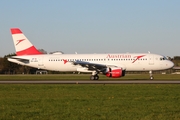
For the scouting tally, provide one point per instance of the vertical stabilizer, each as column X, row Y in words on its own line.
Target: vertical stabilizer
column 22, row 45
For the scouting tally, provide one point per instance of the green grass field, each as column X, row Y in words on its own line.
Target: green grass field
column 87, row 76
column 90, row 102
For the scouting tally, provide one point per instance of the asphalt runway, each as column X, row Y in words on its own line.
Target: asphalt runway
column 91, row 82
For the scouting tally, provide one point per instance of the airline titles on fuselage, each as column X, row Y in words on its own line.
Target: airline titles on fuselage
column 118, row 56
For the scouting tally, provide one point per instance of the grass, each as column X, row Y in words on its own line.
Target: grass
column 86, row 77
column 90, row 102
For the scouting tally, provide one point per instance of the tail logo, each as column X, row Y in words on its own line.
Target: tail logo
column 19, row 41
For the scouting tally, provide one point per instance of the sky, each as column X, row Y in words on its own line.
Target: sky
column 93, row 26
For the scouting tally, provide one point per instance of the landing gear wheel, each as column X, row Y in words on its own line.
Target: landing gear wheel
column 94, row 77
column 151, row 78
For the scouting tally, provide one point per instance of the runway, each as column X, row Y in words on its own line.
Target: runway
column 91, row 82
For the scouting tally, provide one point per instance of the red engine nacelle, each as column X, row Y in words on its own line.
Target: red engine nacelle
column 115, row 72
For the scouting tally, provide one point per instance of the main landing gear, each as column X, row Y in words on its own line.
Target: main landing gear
column 151, row 75
column 94, row 76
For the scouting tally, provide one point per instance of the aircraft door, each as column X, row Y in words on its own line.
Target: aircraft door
column 151, row 60
column 40, row 62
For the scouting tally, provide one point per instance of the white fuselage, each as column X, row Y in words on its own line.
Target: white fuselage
column 127, row 61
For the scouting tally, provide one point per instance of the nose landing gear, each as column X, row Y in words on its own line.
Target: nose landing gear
column 151, row 75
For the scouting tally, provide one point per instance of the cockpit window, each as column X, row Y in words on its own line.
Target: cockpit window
column 163, row 58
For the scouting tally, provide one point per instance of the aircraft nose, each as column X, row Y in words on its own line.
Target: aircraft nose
column 170, row 64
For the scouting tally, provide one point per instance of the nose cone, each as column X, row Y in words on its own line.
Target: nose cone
column 170, row 64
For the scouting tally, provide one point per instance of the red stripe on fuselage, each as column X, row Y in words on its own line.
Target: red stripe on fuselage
column 30, row 51
column 15, row 31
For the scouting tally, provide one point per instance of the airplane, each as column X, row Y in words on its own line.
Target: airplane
column 112, row 65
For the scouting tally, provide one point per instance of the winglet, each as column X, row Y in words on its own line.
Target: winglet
column 22, row 45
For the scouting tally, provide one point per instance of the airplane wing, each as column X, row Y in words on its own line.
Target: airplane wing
column 92, row 66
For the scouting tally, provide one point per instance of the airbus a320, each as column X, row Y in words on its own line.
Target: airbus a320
column 112, row 65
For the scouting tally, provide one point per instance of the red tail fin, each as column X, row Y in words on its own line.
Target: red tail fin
column 22, row 45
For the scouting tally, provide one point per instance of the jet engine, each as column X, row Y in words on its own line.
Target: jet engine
column 115, row 72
